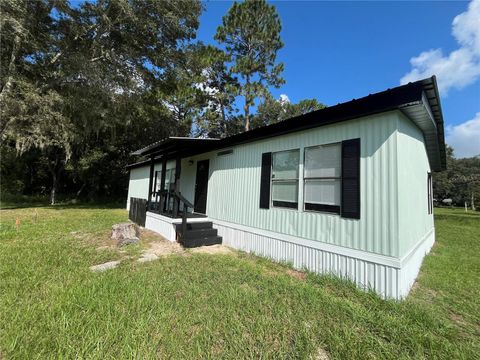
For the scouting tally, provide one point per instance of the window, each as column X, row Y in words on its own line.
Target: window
column 322, row 178
column 285, row 178
column 169, row 180
column 429, row 193
column 158, row 176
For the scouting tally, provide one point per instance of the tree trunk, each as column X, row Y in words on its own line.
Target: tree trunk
column 246, row 107
column 8, row 84
column 54, row 167
column 80, row 191
column 223, row 126
column 473, row 201
column 11, row 67
column 54, row 189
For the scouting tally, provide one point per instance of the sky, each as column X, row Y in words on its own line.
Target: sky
column 338, row 51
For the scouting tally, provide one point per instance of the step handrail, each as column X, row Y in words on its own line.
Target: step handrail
column 186, row 205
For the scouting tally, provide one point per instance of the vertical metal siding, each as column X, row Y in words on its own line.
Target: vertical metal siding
column 234, row 187
column 139, row 178
column 413, row 166
column 138, row 183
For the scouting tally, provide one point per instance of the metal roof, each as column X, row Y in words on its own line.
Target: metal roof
column 172, row 142
column 418, row 100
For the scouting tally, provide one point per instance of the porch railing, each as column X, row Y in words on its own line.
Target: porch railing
column 164, row 206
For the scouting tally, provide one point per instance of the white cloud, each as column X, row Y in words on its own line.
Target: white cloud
column 459, row 68
column 465, row 138
column 284, row 99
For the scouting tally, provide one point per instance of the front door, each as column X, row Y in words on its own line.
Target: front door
column 201, row 187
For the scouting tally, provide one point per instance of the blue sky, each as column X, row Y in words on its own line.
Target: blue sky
column 337, row 51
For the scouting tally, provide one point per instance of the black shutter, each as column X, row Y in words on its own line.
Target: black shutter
column 351, row 179
column 265, row 181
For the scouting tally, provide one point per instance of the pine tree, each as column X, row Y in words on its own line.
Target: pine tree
column 251, row 35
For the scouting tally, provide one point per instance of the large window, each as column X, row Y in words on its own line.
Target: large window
column 322, row 178
column 285, row 178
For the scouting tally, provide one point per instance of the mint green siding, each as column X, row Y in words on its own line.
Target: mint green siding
column 138, row 184
column 234, row 187
column 413, row 166
column 139, row 178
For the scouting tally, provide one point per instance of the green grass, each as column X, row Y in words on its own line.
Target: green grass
column 220, row 306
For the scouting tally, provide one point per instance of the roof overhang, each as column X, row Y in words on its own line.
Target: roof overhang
column 169, row 147
column 426, row 113
column 419, row 101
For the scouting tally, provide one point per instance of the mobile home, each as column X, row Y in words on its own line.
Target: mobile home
column 345, row 190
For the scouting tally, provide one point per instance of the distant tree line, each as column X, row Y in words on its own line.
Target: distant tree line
column 84, row 85
column 460, row 182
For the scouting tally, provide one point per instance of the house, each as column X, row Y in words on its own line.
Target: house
column 345, row 190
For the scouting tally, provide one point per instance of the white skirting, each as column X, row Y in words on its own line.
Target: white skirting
column 165, row 225
column 162, row 225
column 389, row 277
column 412, row 262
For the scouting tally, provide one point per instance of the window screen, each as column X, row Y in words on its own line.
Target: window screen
column 285, row 178
column 322, row 178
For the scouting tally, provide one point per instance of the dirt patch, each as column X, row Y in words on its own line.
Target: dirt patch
column 270, row 273
column 148, row 236
column 212, row 249
column 458, row 319
column 426, row 294
column 320, row 354
column 248, row 289
column 155, row 246
column 164, row 247
column 297, row 274
column 101, row 240
column 290, row 272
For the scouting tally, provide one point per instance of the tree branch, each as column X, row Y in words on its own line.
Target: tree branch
column 11, row 68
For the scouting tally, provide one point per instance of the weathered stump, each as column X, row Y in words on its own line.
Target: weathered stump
column 125, row 233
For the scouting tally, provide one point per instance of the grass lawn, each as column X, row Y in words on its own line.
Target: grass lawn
column 220, row 306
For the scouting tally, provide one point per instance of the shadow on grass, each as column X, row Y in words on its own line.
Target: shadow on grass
column 23, row 202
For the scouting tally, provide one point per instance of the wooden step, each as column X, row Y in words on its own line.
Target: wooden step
column 210, row 240
column 200, row 233
column 195, row 225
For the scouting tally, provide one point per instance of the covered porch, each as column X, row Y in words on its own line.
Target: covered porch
column 176, row 215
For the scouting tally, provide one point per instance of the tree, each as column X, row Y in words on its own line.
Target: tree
column 271, row 111
column 24, row 30
column 219, row 89
column 460, row 182
column 66, row 73
column 250, row 33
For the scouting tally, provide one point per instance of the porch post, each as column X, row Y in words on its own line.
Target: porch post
column 150, row 182
column 163, row 195
column 178, row 168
